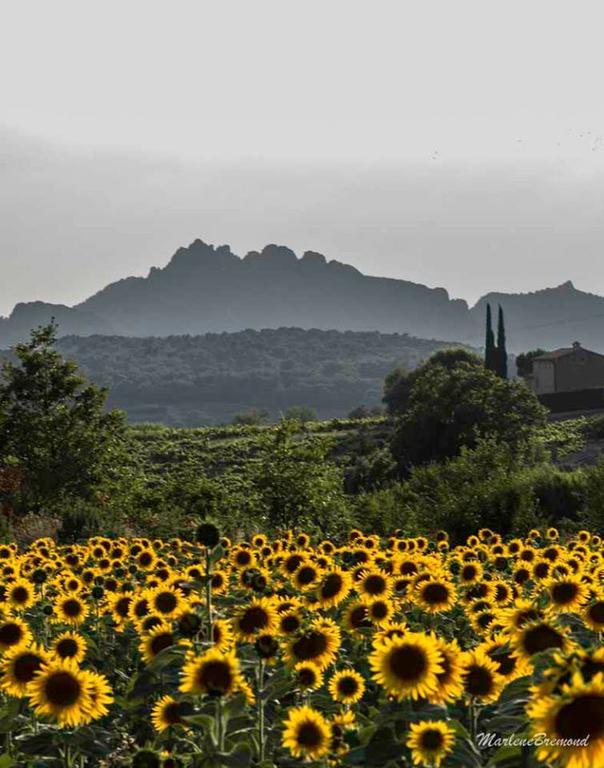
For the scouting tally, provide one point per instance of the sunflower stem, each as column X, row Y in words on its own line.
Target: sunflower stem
column 219, row 724
column 209, row 595
column 261, row 721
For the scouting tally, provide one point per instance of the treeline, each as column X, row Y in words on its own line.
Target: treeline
column 202, row 380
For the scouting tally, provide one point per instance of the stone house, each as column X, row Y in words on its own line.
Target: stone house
column 567, row 370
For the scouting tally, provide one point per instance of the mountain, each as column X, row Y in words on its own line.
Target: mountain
column 549, row 318
column 207, row 289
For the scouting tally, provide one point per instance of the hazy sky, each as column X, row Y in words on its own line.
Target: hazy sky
column 451, row 143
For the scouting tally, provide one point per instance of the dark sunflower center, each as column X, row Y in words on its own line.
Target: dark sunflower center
column 358, row 617
column 253, row 619
column 215, row 677
column 348, row 686
column 141, row 608
column 375, row 584
column 479, row 681
column 582, row 717
column 171, row 713
column 310, row 646
column 306, row 575
column 10, row 634
column 145, row 558
column 290, row 623
column 379, row 610
column 432, row 739
column 122, row 605
column 506, row 662
column 542, row 637
column 62, row 689
column 564, row 593
column 468, row 573
column 596, row 612
column 166, row 602
column 306, row 676
column 20, row 595
column 331, row 586
column 159, row 642
column 72, row 608
column 293, row 563
column 435, row 594
column 408, row 663
column 67, row 648
column 26, row 667
column 309, row 736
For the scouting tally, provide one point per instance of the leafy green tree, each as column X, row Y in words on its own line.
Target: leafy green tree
column 54, row 427
column 302, row 413
column 399, row 383
column 452, row 408
column 293, row 484
column 253, row 417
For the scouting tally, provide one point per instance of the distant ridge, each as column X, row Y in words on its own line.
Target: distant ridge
column 206, row 289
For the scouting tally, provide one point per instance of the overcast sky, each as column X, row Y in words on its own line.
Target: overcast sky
column 452, row 143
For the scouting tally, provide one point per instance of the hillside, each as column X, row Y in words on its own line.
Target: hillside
column 193, row 380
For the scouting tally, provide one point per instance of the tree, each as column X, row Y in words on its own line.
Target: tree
column 294, row 485
column 502, row 355
column 452, row 408
column 253, row 417
column 490, row 353
column 302, row 413
column 399, row 383
column 54, row 427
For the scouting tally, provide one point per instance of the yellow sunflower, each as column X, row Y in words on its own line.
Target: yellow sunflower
column 307, row 734
column 60, row 691
column 213, row 673
column 20, row 594
column 430, row 742
column 308, row 676
column 19, row 666
column 573, row 723
column 13, row 631
column 69, row 645
column 168, row 713
column 347, row 686
column 319, row 644
column 407, row 666
column 481, row 679
column 259, row 615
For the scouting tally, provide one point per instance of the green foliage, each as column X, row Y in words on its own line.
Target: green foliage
column 294, row 486
column 399, row 383
column 301, row 413
column 195, row 380
column 451, row 408
column 54, row 428
column 253, row 417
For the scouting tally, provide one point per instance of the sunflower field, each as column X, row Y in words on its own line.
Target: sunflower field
column 281, row 652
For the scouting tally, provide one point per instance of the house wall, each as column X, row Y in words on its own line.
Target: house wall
column 580, row 370
column 543, row 379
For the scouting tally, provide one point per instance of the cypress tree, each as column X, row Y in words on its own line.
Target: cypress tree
column 501, row 355
column 490, row 353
